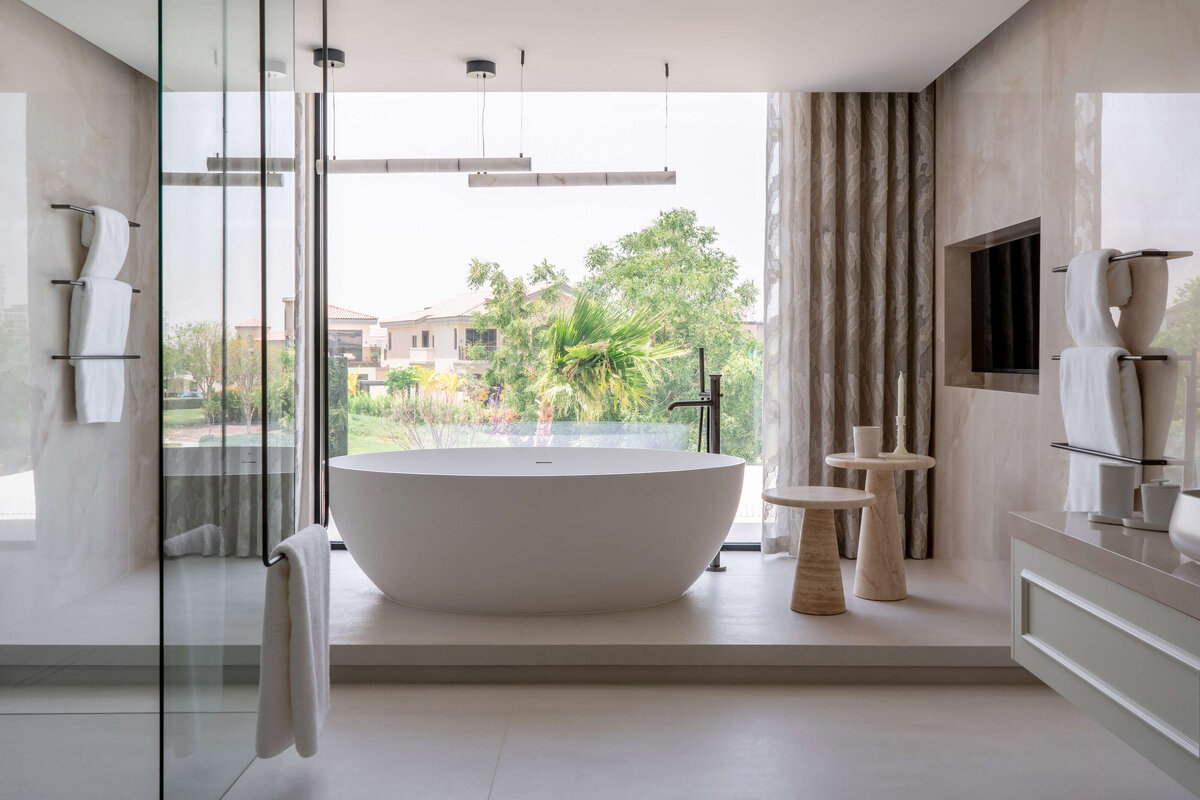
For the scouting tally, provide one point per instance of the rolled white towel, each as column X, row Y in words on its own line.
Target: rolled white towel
column 105, row 233
column 1095, row 283
column 206, row 540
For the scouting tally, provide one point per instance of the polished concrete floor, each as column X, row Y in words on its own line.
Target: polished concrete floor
column 705, row 741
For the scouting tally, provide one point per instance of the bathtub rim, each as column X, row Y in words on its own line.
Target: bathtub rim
column 705, row 461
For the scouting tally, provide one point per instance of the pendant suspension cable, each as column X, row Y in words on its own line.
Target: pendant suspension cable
column 666, row 111
column 521, row 114
column 333, row 116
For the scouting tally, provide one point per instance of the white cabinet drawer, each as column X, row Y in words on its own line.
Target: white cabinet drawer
column 1130, row 662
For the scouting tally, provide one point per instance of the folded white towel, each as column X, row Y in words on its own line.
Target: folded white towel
column 1094, row 284
column 207, row 540
column 105, row 233
column 99, row 325
column 293, row 684
column 1102, row 409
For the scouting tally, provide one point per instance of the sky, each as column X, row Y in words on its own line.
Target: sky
column 400, row 242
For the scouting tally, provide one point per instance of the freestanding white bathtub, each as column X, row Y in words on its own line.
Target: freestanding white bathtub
column 534, row 530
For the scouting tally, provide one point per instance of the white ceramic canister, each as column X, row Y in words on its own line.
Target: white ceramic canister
column 1158, row 501
column 1116, row 490
column 867, row 441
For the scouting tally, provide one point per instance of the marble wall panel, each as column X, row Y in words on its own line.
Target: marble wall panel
column 1017, row 122
column 90, row 125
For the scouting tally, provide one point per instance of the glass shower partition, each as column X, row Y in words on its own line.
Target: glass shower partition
column 229, row 261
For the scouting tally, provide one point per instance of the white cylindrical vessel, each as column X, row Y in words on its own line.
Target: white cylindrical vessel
column 534, row 530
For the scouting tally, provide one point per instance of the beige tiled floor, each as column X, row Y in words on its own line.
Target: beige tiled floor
column 690, row 742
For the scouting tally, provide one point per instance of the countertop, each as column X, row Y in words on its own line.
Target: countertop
column 1144, row 561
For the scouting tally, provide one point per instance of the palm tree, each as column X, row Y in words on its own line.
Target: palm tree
column 594, row 351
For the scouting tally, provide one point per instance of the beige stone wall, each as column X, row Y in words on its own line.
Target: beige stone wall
column 1014, row 129
column 89, row 126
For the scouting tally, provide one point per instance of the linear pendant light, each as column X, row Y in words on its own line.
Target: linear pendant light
column 649, row 178
column 231, row 179
column 666, row 177
column 479, row 69
column 366, row 166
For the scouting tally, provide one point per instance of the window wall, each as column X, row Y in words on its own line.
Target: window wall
column 551, row 316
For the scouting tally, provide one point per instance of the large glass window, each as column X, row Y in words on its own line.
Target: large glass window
column 552, row 316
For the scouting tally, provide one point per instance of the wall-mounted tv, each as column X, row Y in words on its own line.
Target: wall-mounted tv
column 1004, row 307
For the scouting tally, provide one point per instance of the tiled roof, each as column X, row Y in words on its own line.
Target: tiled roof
column 249, row 323
column 337, row 312
column 458, row 306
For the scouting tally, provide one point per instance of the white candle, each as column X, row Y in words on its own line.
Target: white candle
column 900, row 396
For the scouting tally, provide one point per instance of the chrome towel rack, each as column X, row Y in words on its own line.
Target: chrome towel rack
column 1144, row 462
column 1149, row 252
column 95, row 358
column 63, row 282
column 82, row 210
column 1151, row 357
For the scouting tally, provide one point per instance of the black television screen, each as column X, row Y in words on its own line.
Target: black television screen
column 1004, row 307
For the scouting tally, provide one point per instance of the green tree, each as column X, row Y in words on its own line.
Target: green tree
column 675, row 267
column 195, row 348
column 243, row 372
column 597, row 355
column 518, row 309
column 1181, row 332
column 399, row 381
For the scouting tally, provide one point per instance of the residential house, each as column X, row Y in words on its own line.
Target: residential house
column 437, row 336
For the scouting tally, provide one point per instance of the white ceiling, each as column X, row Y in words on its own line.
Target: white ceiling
column 599, row 45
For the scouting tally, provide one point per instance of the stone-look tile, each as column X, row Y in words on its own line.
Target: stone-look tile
column 1011, row 146
column 98, row 756
column 761, row 742
column 90, row 137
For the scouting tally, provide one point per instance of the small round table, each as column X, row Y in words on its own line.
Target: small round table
column 817, row 587
column 879, row 574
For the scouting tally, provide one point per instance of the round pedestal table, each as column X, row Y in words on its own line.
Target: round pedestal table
column 817, row 587
column 879, row 574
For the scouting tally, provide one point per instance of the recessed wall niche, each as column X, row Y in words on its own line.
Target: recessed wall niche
column 991, row 306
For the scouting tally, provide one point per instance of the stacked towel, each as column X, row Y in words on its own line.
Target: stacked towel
column 1102, row 409
column 1101, row 398
column 99, row 326
column 293, row 686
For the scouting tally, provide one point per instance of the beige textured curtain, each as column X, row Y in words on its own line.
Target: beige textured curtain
column 849, row 294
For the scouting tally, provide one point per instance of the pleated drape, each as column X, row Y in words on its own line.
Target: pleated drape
column 849, row 294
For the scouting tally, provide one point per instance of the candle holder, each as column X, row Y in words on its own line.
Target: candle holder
column 901, row 434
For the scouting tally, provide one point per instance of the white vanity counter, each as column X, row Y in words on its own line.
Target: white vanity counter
column 1109, row 618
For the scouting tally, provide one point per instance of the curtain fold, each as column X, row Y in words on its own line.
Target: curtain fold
column 849, row 294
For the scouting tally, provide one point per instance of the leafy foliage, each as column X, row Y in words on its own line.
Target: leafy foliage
column 518, row 309
column 596, row 355
column 674, row 267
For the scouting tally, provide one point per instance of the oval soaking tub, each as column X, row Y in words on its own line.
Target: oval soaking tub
column 534, row 530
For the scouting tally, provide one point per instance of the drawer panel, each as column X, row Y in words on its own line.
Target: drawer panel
column 1131, row 663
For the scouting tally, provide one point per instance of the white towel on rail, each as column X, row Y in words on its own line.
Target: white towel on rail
column 293, row 683
column 99, row 325
column 1102, row 409
column 105, row 233
column 1094, row 285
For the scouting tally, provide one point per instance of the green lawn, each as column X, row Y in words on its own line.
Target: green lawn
column 183, row 418
column 369, row 435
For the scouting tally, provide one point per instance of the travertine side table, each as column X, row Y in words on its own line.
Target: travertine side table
column 879, row 574
column 817, row 587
